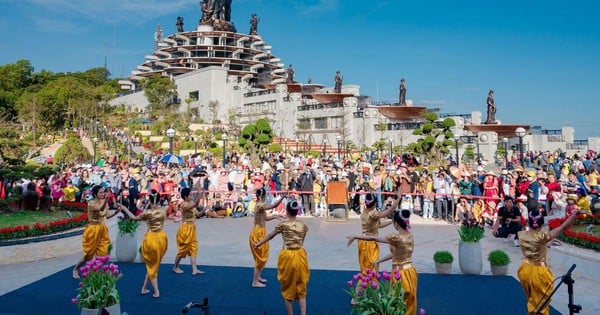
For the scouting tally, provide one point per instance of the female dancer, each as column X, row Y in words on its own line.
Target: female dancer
column 187, row 243
column 95, row 240
column 368, row 252
column 536, row 278
column 258, row 233
column 154, row 245
column 401, row 248
column 292, row 266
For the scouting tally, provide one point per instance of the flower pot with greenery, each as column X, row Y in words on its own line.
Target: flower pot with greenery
column 499, row 261
column 469, row 248
column 126, row 248
column 98, row 287
column 443, row 261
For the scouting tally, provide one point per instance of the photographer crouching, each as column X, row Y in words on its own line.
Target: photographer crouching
column 509, row 219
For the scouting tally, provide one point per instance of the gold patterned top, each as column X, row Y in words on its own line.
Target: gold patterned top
column 155, row 218
column 260, row 214
column 534, row 245
column 369, row 221
column 293, row 233
column 401, row 247
column 97, row 214
column 188, row 211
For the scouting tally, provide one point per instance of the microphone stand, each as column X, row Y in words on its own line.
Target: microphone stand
column 203, row 306
column 568, row 280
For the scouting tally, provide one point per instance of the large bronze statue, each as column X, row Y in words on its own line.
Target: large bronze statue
column 491, row 109
column 290, row 74
column 215, row 10
column 179, row 24
column 254, row 24
column 338, row 82
column 402, row 92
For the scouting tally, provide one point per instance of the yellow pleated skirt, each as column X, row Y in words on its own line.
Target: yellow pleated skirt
column 187, row 242
column 95, row 241
column 260, row 254
column 368, row 253
column 537, row 284
column 409, row 285
column 154, row 247
column 293, row 273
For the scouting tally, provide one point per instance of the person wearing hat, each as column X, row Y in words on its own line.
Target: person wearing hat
column 490, row 191
column 582, row 202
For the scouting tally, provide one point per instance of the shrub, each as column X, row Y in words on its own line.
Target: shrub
column 443, row 257
column 498, row 258
column 470, row 231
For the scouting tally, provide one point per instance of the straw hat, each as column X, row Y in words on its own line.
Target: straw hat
column 572, row 197
column 490, row 173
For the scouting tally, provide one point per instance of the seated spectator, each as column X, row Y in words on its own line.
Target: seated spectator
column 218, row 209
column 477, row 211
column 173, row 212
column 69, row 191
column 463, row 210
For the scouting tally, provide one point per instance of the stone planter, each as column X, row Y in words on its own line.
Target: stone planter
column 499, row 270
column 127, row 247
column 443, row 268
column 112, row 310
column 470, row 258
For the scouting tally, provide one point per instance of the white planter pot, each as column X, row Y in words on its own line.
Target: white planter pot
column 470, row 258
column 443, row 268
column 499, row 270
column 112, row 310
column 127, row 247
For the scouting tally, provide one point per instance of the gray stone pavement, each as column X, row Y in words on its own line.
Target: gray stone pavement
column 225, row 242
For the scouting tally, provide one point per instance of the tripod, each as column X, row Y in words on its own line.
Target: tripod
column 566, row 279
column 203, row 306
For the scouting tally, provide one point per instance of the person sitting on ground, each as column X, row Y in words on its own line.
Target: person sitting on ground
column 509, row 220
column 218, row 209
column 173, row 212
column 463, row 210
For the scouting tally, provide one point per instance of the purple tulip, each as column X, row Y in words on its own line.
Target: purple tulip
column 80, row 284
column 356, row 276
column 397, row 276
column 105, row 268
column 421, row 311
column 374, row 285
column 115, row 272
column 377, row 276
column 74, row 301
column 386, row 276
column 350, row 283
column 84, row 274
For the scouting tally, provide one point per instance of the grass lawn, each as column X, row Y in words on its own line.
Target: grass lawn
column 582, row 229
column 28, row 217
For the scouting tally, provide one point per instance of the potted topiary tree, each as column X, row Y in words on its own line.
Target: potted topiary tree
column 126, row 248
column 499, row 261
column 443, row 261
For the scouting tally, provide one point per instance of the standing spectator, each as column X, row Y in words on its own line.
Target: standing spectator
column 133, row 189
column 306, row 181
column 441, row 187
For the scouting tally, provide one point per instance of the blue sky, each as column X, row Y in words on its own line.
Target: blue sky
column 542, row 58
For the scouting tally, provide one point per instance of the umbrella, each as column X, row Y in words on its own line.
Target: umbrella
column 172, row 158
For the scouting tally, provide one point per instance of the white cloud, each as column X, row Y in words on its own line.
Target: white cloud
column 114, row 12
column 433, row 102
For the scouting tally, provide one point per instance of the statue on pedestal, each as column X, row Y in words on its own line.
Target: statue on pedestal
column 338, row 82
column 402, row 92
column 179, row 24
column 158, row 36
column 254, row 24
column 491, row 109
column 290, row 74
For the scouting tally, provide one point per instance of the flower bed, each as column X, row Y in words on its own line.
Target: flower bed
column 581, row 239
column 23, row 231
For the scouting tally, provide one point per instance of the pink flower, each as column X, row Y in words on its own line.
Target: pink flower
column 80, row 284
column 356, row 276
column 397, row 276
column 84, row 274
column 368, row 271
column 74, row 301
column 386, row 276
column 377, row 276
column 96, row 267
column 105, row 268
column 350, row 283
column 115, row 272
column 421, row 311
column 374, row 285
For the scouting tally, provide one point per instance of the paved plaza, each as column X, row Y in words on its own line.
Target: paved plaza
column 224, row 242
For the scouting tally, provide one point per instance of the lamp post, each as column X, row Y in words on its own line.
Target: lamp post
column 324, row 145
column 170, row 134
column 224, row 137
column 339, row 144
column 505, row 141
column 521, row 132
column 391, row 143
column 95, row 141
column 97, row 128
column 456, row 138
column 296, row 139
column 195, row 145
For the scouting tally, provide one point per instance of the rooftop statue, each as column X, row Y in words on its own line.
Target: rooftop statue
column 290, row 74
column 338, row 82
column 179, row 24
column 217, row 13
column 402, row 92
column 491, row 109
column 158, row 36
column 254, row 24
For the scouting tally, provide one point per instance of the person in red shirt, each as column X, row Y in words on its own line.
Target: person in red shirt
column 553, row 186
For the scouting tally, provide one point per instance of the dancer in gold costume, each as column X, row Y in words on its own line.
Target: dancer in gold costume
column 187, row 242
column 534, row 274
column 401, row 247
column 95, row 240
column 368, row 251
column 258, row 233
column 292, row 266
column 154, row 245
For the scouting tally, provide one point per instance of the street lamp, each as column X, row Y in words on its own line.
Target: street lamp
column 170, row 134
column 224, row 137
column 521, row 132
column 339, row 143
column 95, row 141
column 456, row 138
column 296, row 139
column 505, row 141
column 324, row 145
column 97, row 128
column 391, row 143
column 195, row 144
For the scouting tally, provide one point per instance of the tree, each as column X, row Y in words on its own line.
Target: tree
column 213, row 106
column 159, row 91
column 72, row 152
column 256, row 136
column 436, row 137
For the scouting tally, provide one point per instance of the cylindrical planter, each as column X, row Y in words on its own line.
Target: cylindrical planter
column 443, row 268
column 126, row 247
column 112, row 310
column 470, row 258
column 499, row 270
